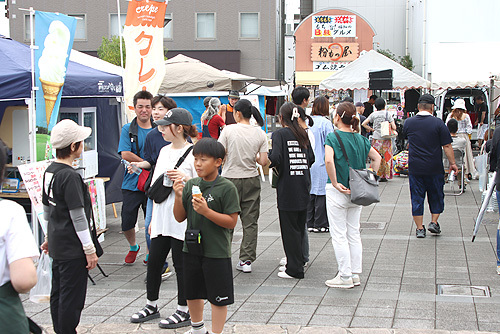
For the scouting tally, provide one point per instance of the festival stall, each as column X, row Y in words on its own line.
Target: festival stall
column 91, row 96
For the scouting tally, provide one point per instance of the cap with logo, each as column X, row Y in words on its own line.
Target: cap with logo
column 178, row 116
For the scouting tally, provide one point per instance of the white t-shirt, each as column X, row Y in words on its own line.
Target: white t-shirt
column 242, row 143
column 16, row 239
column 163, row 221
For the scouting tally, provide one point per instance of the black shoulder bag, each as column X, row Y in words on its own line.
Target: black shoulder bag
column 362, row 182
column 158, row 192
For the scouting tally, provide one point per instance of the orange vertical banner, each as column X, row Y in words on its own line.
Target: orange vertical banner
column 143, row 35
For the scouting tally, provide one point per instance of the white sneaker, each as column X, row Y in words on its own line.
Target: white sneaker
column 283, row 261
column 498, row 270
column 282, row 269
column 355, row 280
column 339, row 282
column 166, row 274
column 282, row 274
column 245, row 267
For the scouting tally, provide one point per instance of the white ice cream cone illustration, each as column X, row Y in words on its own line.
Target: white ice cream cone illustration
column 50, row 92
column 52, row 64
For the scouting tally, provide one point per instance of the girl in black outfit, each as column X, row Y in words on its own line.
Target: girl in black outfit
column 292, row 156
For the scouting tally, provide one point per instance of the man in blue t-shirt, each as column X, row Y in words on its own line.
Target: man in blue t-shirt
column 131, row 148
column 427, row 135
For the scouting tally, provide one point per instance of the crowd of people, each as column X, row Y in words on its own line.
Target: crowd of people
column 197, row 189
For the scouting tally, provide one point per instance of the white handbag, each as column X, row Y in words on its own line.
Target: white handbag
column 386, row 131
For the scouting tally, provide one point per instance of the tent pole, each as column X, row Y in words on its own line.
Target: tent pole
column 120, row 33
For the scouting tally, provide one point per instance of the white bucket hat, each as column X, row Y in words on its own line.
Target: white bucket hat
column 67, row 132
column 459, row 104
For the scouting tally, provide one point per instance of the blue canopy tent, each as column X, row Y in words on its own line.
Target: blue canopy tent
column 84, row 87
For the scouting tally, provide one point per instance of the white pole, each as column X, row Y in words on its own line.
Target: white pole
column 120, row 33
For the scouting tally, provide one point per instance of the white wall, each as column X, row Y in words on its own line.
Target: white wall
column 387, row 17
column 4, row 22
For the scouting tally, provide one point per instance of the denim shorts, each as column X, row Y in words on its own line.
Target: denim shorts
column 432, row 185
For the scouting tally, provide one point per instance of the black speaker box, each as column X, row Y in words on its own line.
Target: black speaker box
column 380, row 80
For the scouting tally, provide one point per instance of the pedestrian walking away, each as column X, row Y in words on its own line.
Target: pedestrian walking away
column 344, row 216
column 246, row 145
column 292, row 156
column 317, row 220
column 67, row 209
column 495, row 166
column 427, row 137
column 211, row 123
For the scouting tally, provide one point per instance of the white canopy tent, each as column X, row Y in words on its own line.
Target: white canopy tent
column 355, row 75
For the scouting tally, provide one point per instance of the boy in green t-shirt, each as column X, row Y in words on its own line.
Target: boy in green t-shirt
column 210, row 218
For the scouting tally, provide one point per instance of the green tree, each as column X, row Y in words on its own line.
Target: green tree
column 404, row 61
column 110, row 50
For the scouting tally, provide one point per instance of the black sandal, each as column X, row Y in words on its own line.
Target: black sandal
column 147, row 313
column 176, row 320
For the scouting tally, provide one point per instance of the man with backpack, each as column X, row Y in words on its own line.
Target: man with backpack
column 130, row 148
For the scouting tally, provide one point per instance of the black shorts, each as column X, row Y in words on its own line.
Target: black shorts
column 208, row 278
column 132, row 201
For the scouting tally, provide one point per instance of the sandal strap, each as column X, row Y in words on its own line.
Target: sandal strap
column 178, row 317
column 146, row 311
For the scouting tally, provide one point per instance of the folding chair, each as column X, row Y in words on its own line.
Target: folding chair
column 460, row 178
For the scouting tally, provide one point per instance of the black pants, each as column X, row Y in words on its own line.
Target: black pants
column 67, row 298
column 292, row 225
column 316, row 212
column 160, row 247
column 132, row 201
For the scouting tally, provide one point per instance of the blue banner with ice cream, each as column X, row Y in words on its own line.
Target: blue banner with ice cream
column 54, row 34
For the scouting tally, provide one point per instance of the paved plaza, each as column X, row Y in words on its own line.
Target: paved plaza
column 399, row 284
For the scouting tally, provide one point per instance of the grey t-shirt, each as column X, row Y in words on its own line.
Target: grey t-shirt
column 377, row 117
column 242, row 143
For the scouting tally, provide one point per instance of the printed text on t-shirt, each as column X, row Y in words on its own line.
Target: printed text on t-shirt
column 298, row 159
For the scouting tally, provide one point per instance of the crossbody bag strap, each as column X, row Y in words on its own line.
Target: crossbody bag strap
column 181, row 159
column 342, row 147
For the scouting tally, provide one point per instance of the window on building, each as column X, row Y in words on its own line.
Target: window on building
column 81, row 27
column 114, row 29
column 205, row 25
column 249, row 25
column 167, row 30
column 80, row 32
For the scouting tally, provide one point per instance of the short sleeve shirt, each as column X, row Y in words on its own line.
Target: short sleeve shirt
column 67, row 194
column 222, row 198
column 356, row 147
column 426, row 136
column 153, row 144
column 480, row 108
column 242, row 143
column 214, row 126
column 126, row 144
column 16, row 239
column 377, row 117
column 321, row 128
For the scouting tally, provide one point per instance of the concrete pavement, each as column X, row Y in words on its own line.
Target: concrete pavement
column 399, row 284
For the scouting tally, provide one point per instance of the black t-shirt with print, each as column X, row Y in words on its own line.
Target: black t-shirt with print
column 293, row 163
column 68, row 193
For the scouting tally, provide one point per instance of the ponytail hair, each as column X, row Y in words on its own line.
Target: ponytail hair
column 247, row 110
column 347, row 113
column 212, row 110
column 290, row 114
column 305, row 117
column 190, row 131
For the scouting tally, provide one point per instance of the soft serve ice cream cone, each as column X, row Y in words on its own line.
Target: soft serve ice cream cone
column 196, row 192
column 52, row 64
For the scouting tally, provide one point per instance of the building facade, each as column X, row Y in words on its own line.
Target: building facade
column 240, row 38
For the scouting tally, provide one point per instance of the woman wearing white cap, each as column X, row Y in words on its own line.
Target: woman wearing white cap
column 459, row 113
column 67, row 208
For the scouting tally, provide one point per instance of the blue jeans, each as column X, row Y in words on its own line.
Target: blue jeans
column 147, row 220
column 498, row 232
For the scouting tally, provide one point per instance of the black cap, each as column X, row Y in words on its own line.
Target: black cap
column 234, row 94
column 426, row 98
column 359, row 104
column 176, row 116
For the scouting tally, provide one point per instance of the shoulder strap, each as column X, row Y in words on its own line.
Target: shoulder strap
column 342, row 146
column 387, row 116
column 133, row 131
column 181, row 159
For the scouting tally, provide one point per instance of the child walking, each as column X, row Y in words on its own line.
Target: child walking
column 292, row 156
column 211, row 205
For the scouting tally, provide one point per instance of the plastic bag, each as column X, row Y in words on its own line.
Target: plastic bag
column 481, row 163
column 41, row 291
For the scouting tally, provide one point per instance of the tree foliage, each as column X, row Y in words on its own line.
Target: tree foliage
column 110, row 50
column 404, row 61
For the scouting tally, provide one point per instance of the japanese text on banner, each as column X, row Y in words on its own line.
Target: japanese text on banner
column 334, row 26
